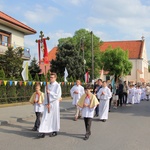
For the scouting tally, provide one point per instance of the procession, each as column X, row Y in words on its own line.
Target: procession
column 86, row 100
column 74, row 75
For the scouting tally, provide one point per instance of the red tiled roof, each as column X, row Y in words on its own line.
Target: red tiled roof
column 135, row 48
column 52, row 54
column 4, row 17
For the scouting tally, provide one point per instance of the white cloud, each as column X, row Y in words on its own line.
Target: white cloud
column 54, row 37
column 128, row 17
column 41, row 14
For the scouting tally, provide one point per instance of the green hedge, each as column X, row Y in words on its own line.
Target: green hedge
column 22, row 93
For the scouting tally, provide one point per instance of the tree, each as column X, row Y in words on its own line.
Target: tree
column 11, row 62
column 67, row 56
column 2, row 74
column 36, row 77
column 116, row 62
column 149, row 65
column 73, row 51
column 34, row 68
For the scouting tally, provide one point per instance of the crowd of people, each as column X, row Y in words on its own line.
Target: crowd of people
column 88, row 102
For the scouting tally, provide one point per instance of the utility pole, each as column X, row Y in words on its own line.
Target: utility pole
column 82, row 47
column 92, row 55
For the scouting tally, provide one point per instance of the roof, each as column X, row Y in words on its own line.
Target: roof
column 13, row 23
column 52, row 54
column 135, row 47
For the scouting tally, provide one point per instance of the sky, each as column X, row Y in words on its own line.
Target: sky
column 110, row 20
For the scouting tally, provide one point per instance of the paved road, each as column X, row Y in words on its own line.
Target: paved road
column 128, row 128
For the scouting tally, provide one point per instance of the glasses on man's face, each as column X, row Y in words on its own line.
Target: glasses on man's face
column 51, row 77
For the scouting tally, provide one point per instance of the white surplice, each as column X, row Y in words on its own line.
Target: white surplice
column 86, row 111
column 104, row 102
column 38, row 107
column 76, row 97
column 51, row 121
column 137, row 96
column 131, row 96
column 143, row 94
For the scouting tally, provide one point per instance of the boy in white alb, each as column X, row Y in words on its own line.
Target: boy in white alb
column 131, row 95
column 87, row 103
column 137, row 95
column 37, row 99
column 104, row 95
column 76, row 92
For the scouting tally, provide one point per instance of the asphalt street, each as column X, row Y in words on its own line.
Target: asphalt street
column 128, row 128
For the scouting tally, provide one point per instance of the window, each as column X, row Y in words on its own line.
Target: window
column 4, row 38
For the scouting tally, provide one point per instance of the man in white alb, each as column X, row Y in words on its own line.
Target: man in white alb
column 50, row 122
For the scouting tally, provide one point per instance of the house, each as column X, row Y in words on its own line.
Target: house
column 137, row 55
column 51, row 56
column 12, row 33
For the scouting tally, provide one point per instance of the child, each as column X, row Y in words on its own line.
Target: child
column 37, row 99
column 87, row 104
column 137, row 95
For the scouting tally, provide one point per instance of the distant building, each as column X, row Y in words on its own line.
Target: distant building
column 137, row 55
column 51, row 55
column 12, row 33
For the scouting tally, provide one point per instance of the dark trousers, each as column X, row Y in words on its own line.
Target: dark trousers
column 120, row 99
column 124, row 97
column 110, row 103
column 88, row 122
column 97, row 110
column 37, row 121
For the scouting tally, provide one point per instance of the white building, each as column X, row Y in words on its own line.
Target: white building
column 137, row 55
column 12, row 33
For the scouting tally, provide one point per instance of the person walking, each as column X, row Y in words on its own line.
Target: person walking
column 50, row 122
column 104, row 95
column 37, row 100
column 98, row 87
column 87, row 103
column 76, row 92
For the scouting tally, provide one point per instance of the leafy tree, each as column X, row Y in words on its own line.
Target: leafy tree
column 116, row 62
column 2, row 74
column 67, row 56
column 81, row 43
column 11, row 62
column 34, row 68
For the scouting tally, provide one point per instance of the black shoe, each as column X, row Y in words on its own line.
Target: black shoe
column 95, row 115
column 53, row 134
column 86, row 137
column 104, row 120
column 34, row 129
column 41, row 135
